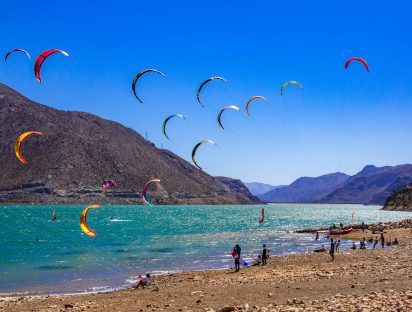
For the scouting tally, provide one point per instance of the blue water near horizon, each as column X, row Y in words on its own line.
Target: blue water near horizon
column 41, row 256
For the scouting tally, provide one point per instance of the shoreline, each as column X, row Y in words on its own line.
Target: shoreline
column 274, row 286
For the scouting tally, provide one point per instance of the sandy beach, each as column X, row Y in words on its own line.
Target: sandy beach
column 359, row 280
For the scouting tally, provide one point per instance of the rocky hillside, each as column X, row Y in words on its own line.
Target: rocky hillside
column 78, row 151
column 372, row 185
column 400, row 200
column 306, row 189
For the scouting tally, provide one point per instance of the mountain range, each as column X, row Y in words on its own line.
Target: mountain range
column 372, row 185
column 257, row 188
column 77, row 151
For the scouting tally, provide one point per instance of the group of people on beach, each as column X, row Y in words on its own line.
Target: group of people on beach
column 336, row 242
column 259, row 260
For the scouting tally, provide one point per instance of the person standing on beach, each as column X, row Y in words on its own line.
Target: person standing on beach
column 337, row 243
column 363, row 227
column 382, row 240
column 332, row 249
column 376, row 242
column 236, row 255
column 264, row 254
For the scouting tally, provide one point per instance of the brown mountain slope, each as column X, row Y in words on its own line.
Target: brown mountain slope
column 77, row 151
column 400, row 200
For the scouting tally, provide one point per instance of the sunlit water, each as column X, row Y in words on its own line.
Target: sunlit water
column 41, row 256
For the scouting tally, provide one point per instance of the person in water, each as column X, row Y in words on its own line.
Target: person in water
column 353, row 246
column 317, row 236
column 264, row 254
column 382, row 240
column 236, row 251
column 332, row 249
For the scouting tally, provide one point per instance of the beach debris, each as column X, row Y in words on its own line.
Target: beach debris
column 167, row 120
column 219, row 116
column 144, row 192
column 195, row 149
column 18, row 143
column 204, row 83
column 83, row 221
column 358, row 59
column 42, row 57
column 140, row 74
column 252, row 99
column 16, row 50
column 289, row 83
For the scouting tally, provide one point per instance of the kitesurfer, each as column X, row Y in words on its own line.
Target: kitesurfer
column 53, row 218
column 264, row 254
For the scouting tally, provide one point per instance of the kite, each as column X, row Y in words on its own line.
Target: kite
column 83, row 222
column 144, row 193
column 254, row 98
column 141, row 74
column 263, row 216
column 19, row 141
column 195, row 149
column 41, row 58
column 357, row 59
column 108, row 184
column 204, row 83
column 288, row 83
column 167, row 120
column 16, row 50
column 219, row 121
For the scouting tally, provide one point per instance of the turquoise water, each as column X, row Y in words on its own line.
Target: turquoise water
column 154, row 239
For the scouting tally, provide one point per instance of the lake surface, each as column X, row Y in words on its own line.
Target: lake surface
column 41, row 256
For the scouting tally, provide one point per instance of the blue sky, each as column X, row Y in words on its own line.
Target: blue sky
column 342, row 121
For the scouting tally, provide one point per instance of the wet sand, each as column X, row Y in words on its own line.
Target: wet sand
column 358, row 280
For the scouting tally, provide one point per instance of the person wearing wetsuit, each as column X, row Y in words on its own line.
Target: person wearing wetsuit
column 332, row 249
column 264, row 254
column 237, row 250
